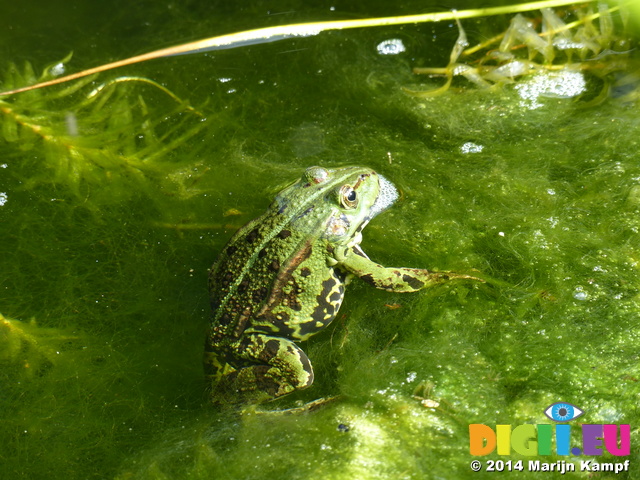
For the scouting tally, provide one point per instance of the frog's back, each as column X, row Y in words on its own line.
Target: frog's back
column 258, row 271
column 239, row 281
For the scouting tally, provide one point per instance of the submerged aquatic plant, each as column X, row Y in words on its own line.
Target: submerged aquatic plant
column 28, row 350
column 86, row 136
column 558, row 48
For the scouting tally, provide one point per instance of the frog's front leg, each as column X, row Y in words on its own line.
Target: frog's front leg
column 265, row 368
column 393, row 279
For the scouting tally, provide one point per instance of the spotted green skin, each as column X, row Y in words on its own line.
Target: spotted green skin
column 281, row 279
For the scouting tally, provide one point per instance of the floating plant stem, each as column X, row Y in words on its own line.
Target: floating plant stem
column 270, row 34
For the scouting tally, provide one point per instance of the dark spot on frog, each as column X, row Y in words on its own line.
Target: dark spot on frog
column 264, row 381
column 323, row 314
column 231, row 250
column 284, row 234
column 260, row 295
column 305, row 272
column 295, row 304
column 335, row 297
column 252, row 235
column 365, row 221
column 413, row 282
column 241, row 323
column 290, row 350
column 306, row 365
column 228, row 277
column 359, row 252
column 306, row 212
column 274, row 266
column 269, row 350
column 225, row 319
column 325, row 309
column 368, row 278
column 244, row 285
column 277, row 324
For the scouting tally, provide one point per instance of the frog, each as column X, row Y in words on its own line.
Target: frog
column 281, row 279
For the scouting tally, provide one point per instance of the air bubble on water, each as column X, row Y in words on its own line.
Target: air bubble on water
column 560, row 84
column 470, row 147
column 57, row 70
column 392, row 46
column 580, row 294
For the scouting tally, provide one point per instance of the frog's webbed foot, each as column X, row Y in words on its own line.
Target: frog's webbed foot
column 308, row 407
column 270, row 367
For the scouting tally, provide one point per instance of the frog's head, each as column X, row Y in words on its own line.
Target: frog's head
column 337, row 203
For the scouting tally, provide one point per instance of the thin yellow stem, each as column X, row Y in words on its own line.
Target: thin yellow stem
column 585, row 19
column 483, row 45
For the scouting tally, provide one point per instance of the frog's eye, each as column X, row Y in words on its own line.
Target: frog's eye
column 348, row 197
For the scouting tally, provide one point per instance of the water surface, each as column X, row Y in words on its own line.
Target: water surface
column 115, row 205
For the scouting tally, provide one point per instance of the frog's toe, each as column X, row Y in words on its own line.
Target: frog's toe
column 461, row 276
column 301, row 409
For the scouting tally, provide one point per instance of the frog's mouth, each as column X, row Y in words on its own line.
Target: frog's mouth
column 387, row 195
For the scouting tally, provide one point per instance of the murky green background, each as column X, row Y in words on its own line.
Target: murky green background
column 106, row 238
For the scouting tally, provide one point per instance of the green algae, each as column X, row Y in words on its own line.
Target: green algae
column 106, row 382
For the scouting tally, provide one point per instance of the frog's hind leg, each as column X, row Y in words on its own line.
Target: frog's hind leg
column 267, row 368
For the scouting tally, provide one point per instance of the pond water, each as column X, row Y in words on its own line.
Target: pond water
column 118, row 192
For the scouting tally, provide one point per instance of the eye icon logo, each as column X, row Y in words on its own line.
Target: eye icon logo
column 562, row 412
